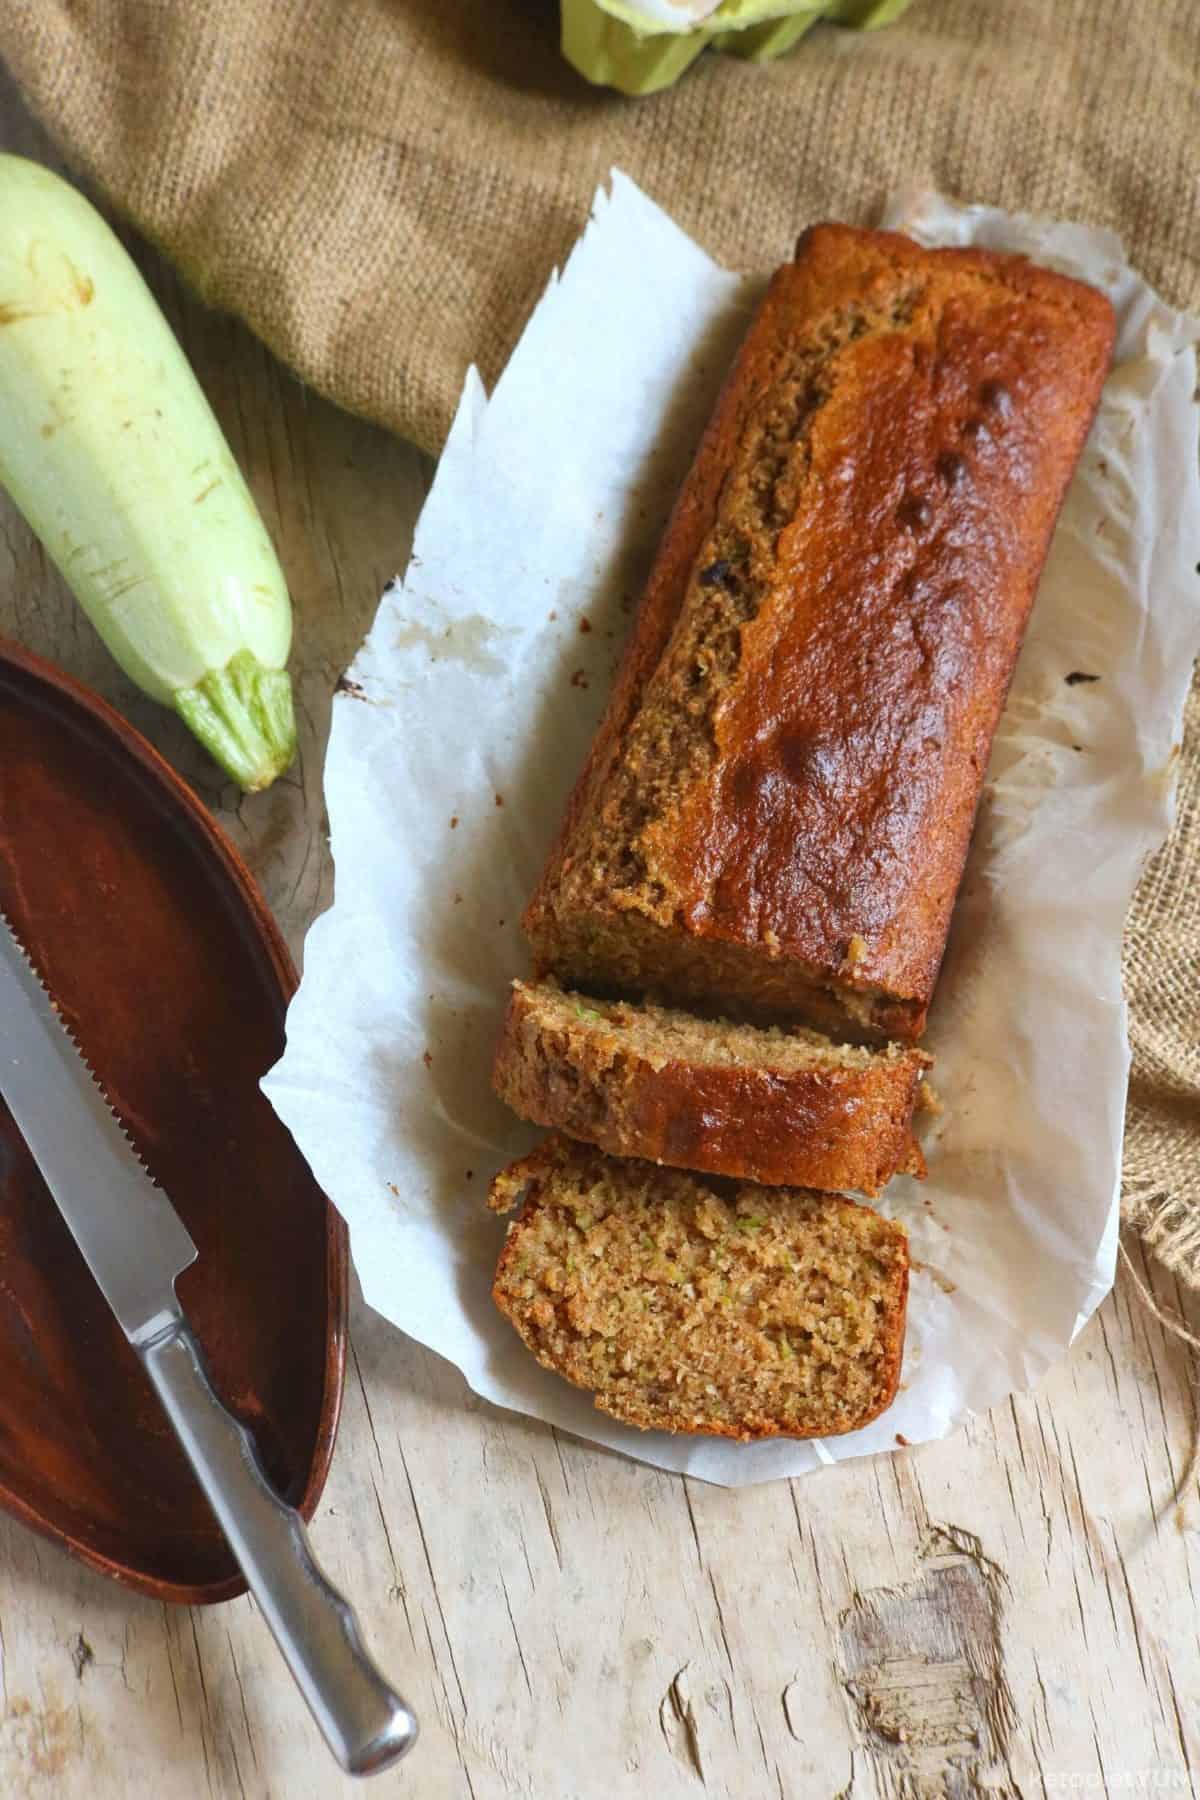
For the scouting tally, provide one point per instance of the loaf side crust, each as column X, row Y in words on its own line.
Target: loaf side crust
column 839, row 1120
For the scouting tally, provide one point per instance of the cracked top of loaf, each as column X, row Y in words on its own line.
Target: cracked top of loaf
column 777, row 806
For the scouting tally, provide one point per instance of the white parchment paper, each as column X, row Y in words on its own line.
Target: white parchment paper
column 467, row 716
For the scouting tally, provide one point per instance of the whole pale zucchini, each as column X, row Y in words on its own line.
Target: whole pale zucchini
column 112, row 453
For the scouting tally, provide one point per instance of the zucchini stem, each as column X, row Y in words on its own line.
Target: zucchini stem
column 243, row 716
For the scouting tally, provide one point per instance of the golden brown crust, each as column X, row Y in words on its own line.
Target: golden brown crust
column 812, row 1346
column 829, row 1125
column 777, row 807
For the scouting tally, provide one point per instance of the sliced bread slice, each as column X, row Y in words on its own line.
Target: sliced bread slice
column 758, row 1103
column 684, row 1303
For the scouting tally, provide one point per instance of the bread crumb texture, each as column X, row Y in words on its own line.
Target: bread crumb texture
column 687, row 1303
column 665, row 1034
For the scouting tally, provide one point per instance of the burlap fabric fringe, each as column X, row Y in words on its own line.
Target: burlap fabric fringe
column 381, row 188
column 1161, row 1198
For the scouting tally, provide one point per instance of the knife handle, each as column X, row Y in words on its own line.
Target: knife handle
column 363, row 1720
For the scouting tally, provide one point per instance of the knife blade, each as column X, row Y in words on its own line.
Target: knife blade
column 135, row 1245
column 111, row 1204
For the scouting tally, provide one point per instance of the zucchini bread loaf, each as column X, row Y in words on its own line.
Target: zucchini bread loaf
column 777, row 807
column 687, row 1304
column 729, row 1099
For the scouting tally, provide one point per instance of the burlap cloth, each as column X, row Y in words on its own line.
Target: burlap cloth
column 381, row 188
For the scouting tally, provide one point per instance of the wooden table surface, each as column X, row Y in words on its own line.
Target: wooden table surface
column 1011, row 1612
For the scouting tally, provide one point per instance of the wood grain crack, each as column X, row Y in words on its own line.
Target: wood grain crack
column 677, row 1721
column 551, row 1527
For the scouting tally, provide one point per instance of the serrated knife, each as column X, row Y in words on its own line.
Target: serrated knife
column 135, row 1245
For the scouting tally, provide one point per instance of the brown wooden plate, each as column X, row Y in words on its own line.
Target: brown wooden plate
column 173, row 976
